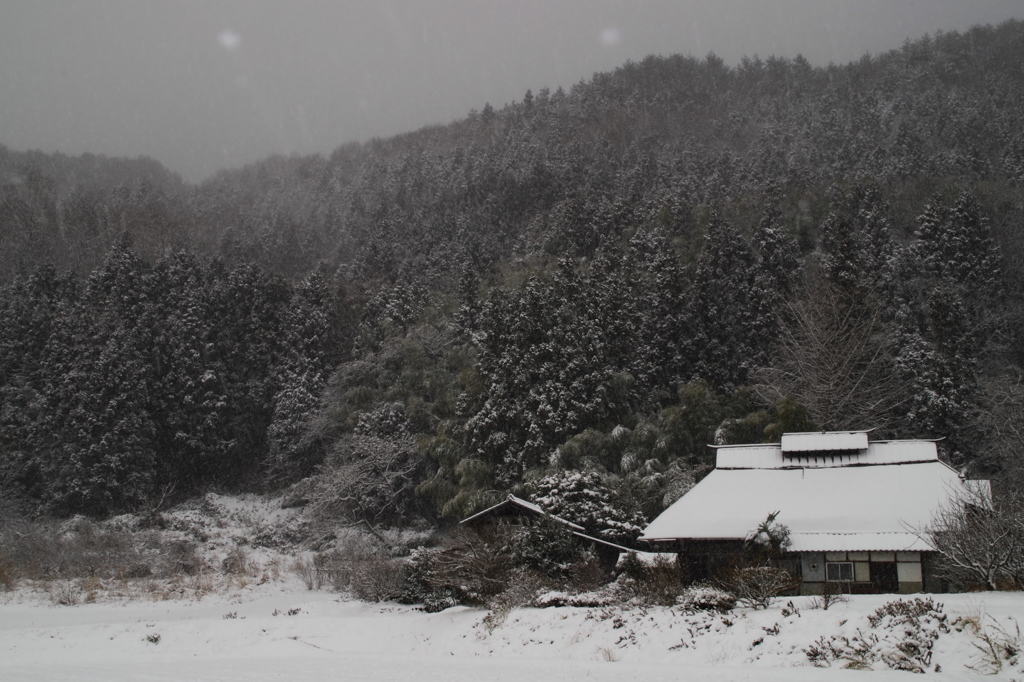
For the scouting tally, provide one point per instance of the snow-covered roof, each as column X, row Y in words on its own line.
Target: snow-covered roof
column 824, row 441
column 514, row 501
column 867, row 501
column 857, row 542
column 772, row 456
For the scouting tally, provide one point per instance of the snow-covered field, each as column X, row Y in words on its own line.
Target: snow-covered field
column 270, row 627
column 282, row 631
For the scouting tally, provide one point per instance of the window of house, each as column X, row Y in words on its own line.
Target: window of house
column 839, row 571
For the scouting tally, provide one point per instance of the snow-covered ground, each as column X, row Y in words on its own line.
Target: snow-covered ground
column 279, row 630
column 268, row 626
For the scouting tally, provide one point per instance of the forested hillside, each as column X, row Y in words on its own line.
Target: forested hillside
column 598, row 280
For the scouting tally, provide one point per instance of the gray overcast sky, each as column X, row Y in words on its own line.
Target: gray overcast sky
column 207, row 84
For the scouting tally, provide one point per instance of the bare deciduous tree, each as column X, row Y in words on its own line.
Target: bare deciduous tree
column 367, row 478
column 835, row 357
column 980, row 539
column 1002, row 420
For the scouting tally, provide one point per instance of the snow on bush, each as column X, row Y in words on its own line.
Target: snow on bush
column 607, row 596
column 659, row 581
column 704, row 597
column 758, row 586
column 902, row 636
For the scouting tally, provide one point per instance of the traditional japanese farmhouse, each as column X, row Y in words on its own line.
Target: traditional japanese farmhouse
column 851, row 505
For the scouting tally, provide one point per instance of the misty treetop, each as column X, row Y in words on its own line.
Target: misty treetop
column 601, row 281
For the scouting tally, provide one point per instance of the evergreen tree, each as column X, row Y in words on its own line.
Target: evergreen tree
column 940, row 362
column 778, row 254
column 296, row 402
column 584, row 499
column 729, row 310
column 100, row 456
column 31, row 308
column 313, row 345
column 655, row 296
column 468, row 315
column 187, row 396
column 249, row 306
column 954, row 244
column 956, row 263
column 858, row 252
column 549, row 376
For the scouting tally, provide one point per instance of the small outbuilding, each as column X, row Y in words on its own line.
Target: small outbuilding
column 852, row 507
column 517, row 511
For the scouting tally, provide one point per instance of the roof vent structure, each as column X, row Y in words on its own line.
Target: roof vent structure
column 838, row 442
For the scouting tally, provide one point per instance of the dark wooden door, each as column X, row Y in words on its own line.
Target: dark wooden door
column 884, row 577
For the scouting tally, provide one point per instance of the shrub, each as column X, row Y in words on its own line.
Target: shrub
column 377, row 579
column 659, row 582
column 198, row 584
column 184, row 557
column 586, row 575
column 65, row 593
column 902, row 637
column 997, row 647
column 524, row 587
column 899, row 612
column 832, row 593
column 856, row 652
column 341, row 566
column 598, row 598
column 473, row 569
column 361, row 565
column 704, row 597
column 418, row 587
column 758, row 586
column 464, row 565
column 496, row 616
column 7, row 579
column 238, row 562
column 547, row 547
column 80, row 548
column 439, row 600
column 308, row 573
